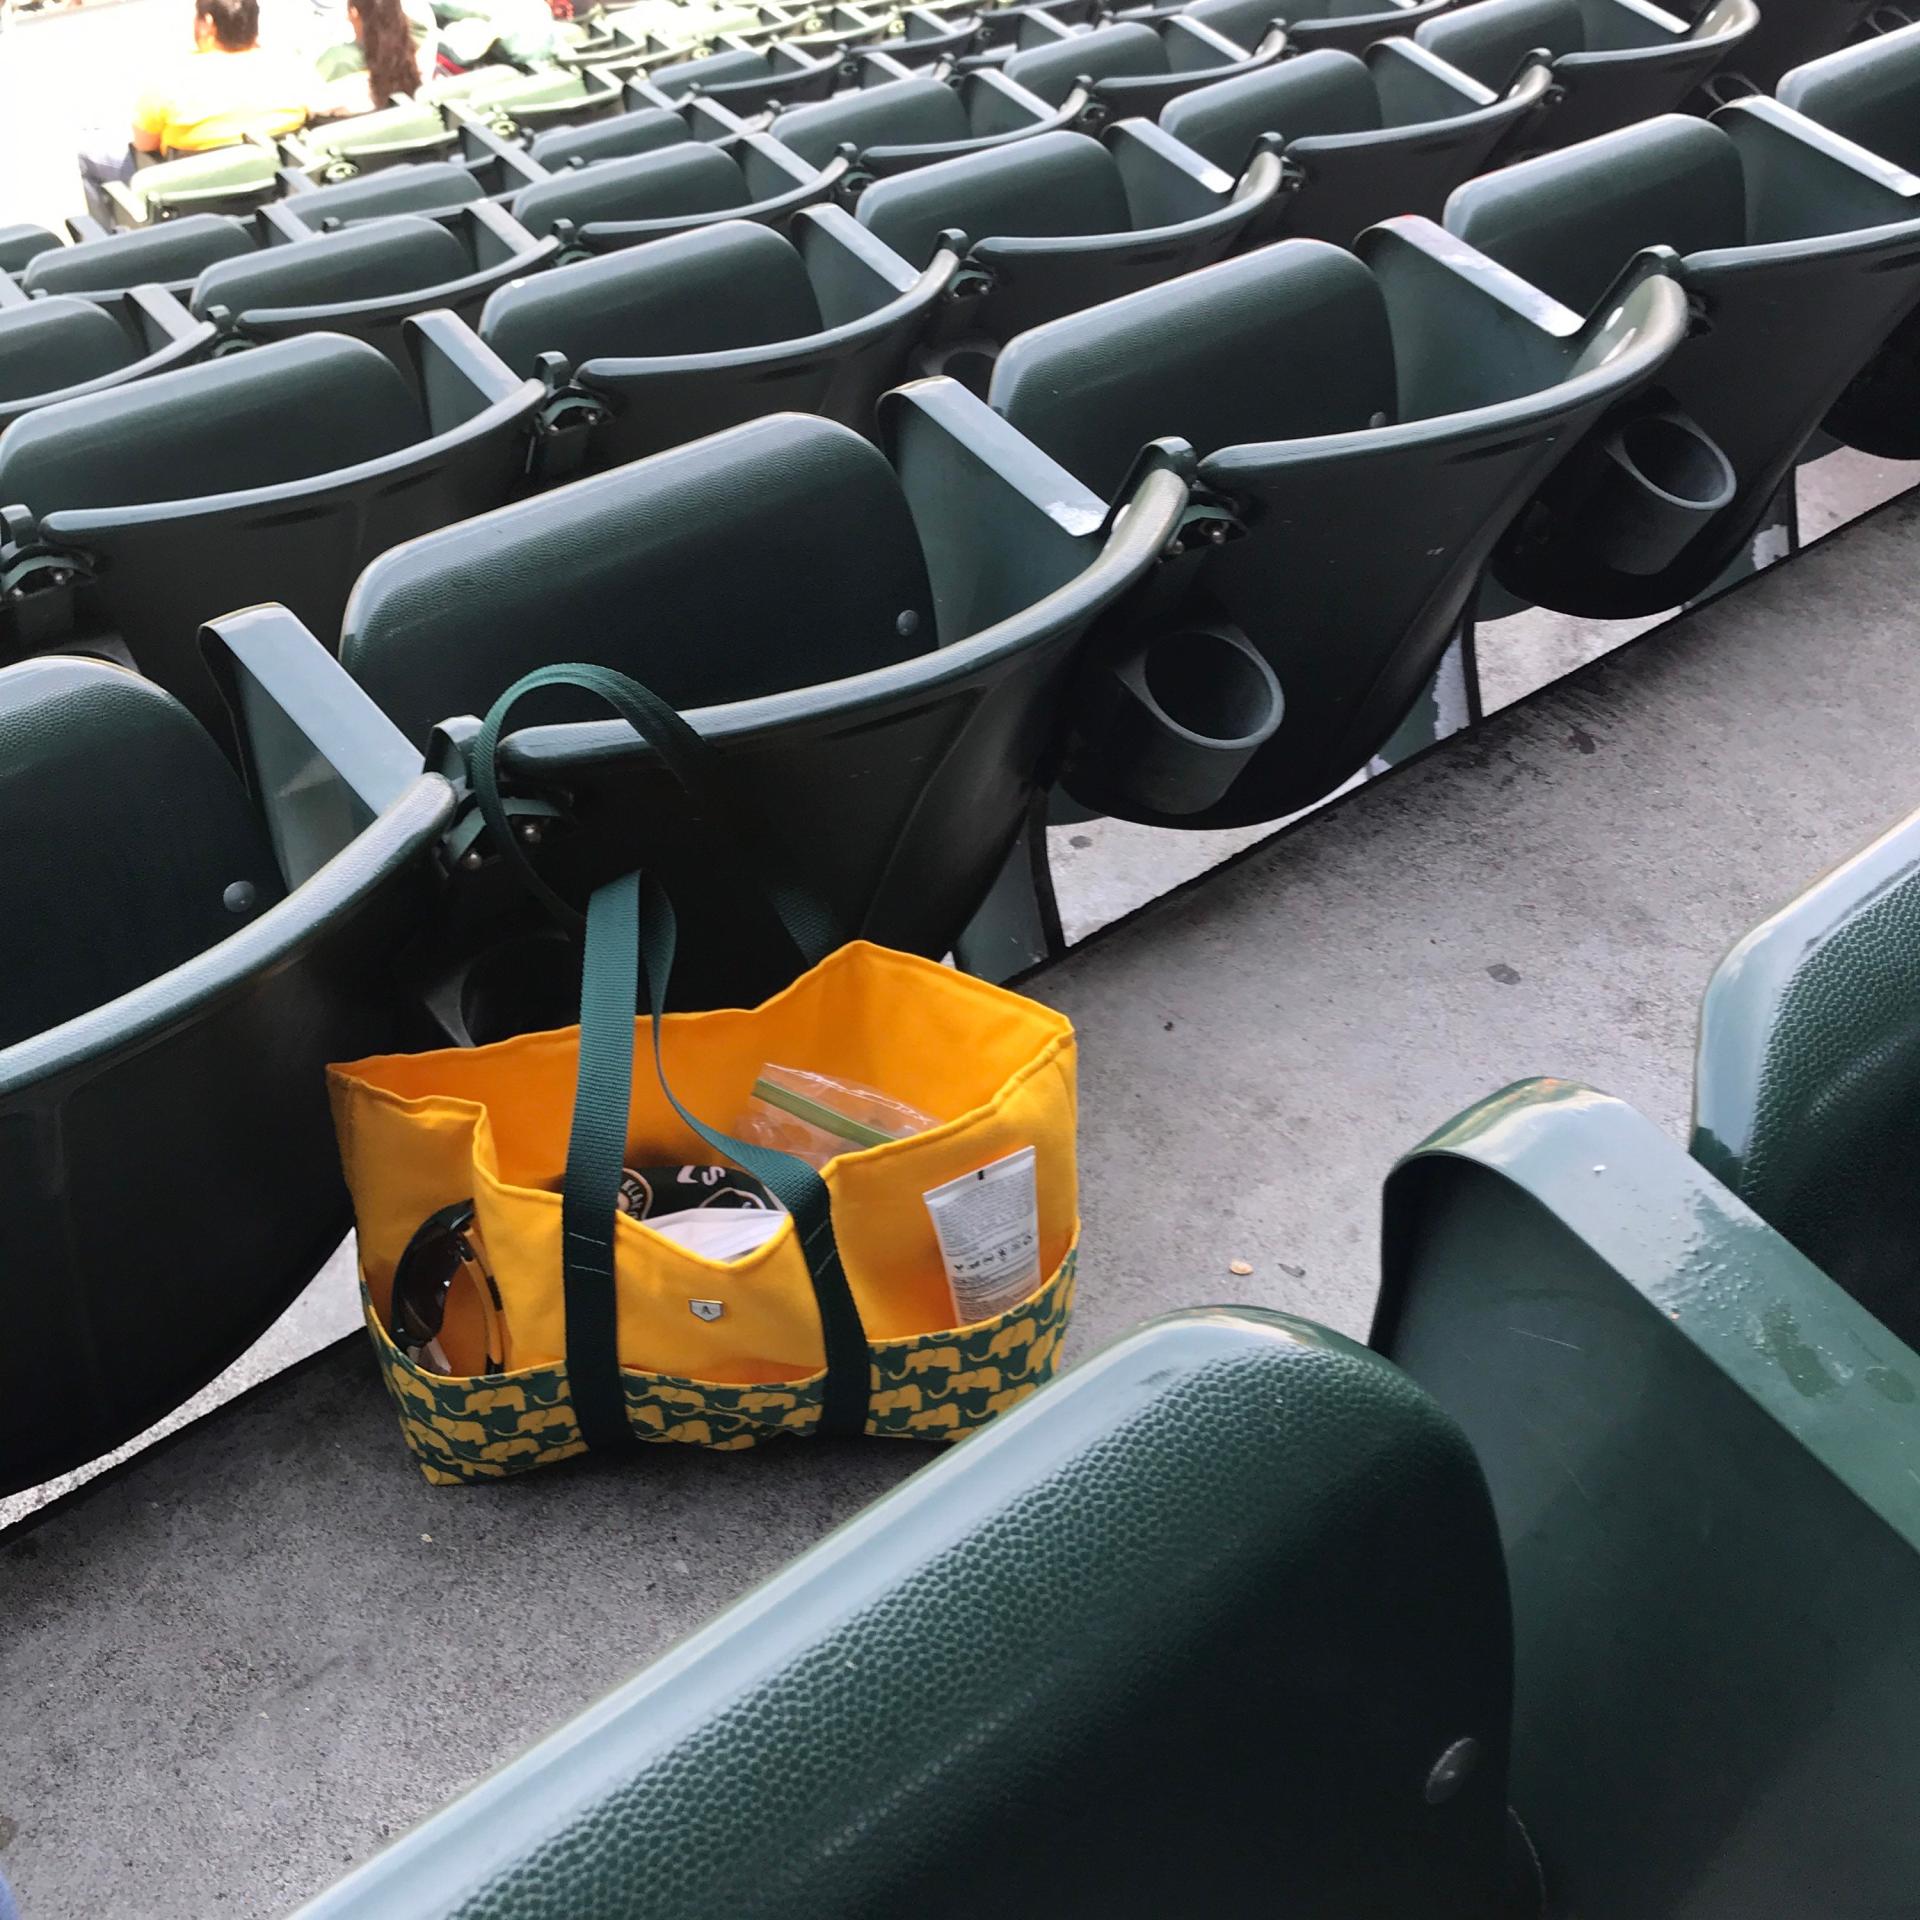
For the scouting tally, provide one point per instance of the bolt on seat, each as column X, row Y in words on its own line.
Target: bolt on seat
column 1614, row 61
column 171, row 255
column 707, row 329
column 227, row 180
column 1130, row 68
column 134, row 515
column 1870, row 94
column 1367, row 424
column 897, row 719
column 59, row 347
column 171, row 1178
column 1363, row 137
column 1798, row 253
column 1062, row 221
column 897, row 125
column 368, row 280
column 621, row 203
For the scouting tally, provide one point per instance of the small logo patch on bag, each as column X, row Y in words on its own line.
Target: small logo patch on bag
column 706, row 1309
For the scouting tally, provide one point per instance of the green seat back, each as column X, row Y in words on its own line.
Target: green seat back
column 21, row 244
column 610, row 139
column 718, row 288
column 168, row 255
column 1052, row 72
column 902, row 113
column 1869, row 94
column 1492, row 37
column 366, row 262
column 1054, row 185
column 1807, row 1084
column 505, row 88
column 414, row 125
column 689, row 178
column 314, row 406
column 121, row 828
column 780, row 556
column 224, row 170
column 422, row 186
column 1325, row 92
column 1187, row 1634
column 50, row 344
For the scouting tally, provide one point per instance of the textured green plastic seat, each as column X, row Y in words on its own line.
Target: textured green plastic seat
column 1870, row 94
column 20, row 245
column 615, row 137
column 521, row 104
column 170, row 256
column 1370, row 420
column 1614, row 61
column 750, row 80
column 706, row 329
column 345, row 149
column 369, row 279
column 228, row 180
column 1061, row 222
column 621, row 203
column 1130, row 68
column 1799, row 251
column 169, row 1165
column 909, row 122
column 274, row 474
column 1205, row 1613
column 421, row 186
column 897, row 721
column 1687, row 1380
column 1393, row 130
column 57, row 348
column 1351, row 25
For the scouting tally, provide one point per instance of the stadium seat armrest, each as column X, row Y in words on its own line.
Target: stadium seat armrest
column 321, row 760
column 460, row 376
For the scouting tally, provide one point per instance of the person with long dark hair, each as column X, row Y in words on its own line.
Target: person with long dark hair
column 392, row 51
column 385, row 35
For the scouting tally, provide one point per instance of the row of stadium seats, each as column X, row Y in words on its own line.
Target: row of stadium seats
column 1588, row 1589
column 1592, row 378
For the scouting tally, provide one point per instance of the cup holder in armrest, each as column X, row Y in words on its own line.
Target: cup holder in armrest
column 1661, row 480
column 1166, row 724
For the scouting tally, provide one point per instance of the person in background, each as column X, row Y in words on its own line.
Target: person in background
column 388, row 65
column 227, row 88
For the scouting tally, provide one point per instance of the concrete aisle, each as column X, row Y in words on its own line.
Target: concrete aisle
column 239, row 1664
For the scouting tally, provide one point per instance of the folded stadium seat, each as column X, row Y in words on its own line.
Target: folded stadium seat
column 1082, row 1613
column 1368, row 422
column 168, row 1159
column 1393, row 130
column 366, row 142
column 488, row 168
column 170, row 255
column 616, row 137
column 910, row 122
column 22, row 244
column 1791, row 33
column 1870, row 94
column 621, row 203
column 706, row 329
column 897, row 720
column 1351, row 25
column 369, row 279
column 1614, row 61
column 749, row 80
column 58, row 348
column 132, row 516
column 1061, row 222
column 1130, row 68
column 917, row 35
column 519, row 105
column 227, row 180
column 1692, row 1382
column 1799, row 253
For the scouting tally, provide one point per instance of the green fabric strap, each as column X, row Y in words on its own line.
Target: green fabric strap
column 630, row 922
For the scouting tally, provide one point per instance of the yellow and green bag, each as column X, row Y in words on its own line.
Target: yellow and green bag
column 841, row 1322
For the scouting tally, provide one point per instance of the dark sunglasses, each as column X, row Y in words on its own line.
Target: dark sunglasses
column 442, row 1254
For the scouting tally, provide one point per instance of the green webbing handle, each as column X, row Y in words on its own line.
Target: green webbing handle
column 629, row 924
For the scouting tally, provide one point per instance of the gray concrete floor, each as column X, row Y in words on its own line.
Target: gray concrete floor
column 256, row 1652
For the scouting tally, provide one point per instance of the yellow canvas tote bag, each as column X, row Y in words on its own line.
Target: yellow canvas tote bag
column 592, row 1330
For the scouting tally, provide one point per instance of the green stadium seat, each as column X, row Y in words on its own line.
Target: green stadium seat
column 707, row 329
column 1800, row 250
column 615, row 137
column 1350, row 25
column 1689, row 1381
column 228, row 180
column 1368, row 420
column 170, row 256
column 621, row 203
column 1129, row 68
column 274, row 474
column 519, row 105
column 1364, row 136
column 21, row 245
column 1789, row 34
column 749, row 80
column 1870, row 94
column 171, row 1176
column 1061, row 221
column 1189, row 1633
column 366, row 142
column 56, row 348
column 903, row 711
column 1614, row 61
column 370, row 279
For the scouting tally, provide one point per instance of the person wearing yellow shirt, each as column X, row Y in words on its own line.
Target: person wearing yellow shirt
column 227, row 88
